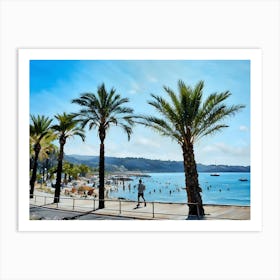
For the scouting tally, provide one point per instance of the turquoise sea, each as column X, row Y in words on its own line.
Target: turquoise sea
column 225, row 189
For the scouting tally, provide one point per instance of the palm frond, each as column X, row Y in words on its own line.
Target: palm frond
column 161, row 126
column 212, row 113
column 39, row 127
column 174, row 99
column 127, row 129
column 68, row 126
column 102, row 109
column 213, row 129
column 163, row 107
column 185, row 116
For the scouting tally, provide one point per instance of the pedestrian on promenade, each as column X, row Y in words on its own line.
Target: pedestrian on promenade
column 141, row 189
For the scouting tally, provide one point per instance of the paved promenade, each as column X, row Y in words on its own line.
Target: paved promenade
column 42, row 207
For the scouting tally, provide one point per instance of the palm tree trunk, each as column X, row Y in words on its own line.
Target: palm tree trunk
column 47, row 169
column 37, row 149
column 31, row 163
column 43, row 174
column 65, row 177
column 58, row 175
column 101, row 175
column 192, row 185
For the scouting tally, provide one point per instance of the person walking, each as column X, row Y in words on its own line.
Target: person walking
column 141, row 189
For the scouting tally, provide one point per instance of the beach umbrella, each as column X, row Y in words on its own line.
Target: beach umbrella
column 84, row 188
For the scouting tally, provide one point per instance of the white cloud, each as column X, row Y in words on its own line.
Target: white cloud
column 82, row 149
column 243, row 128
column 151, row 146
column 132, row 91
column 135, row 87
column 221, row 153
column 152, row 79
column 232, row 150
column 147, row 143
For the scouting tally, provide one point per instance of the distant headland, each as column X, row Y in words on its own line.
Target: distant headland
column 116, row 164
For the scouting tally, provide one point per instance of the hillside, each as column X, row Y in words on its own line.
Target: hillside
column 148, row 165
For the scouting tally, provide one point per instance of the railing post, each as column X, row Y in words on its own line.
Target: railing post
column 57, row 204
column 198, row 213
column 45, row 199
column 35, row 198
column 153, row 206
column 73, row 203
column 120, row 206
column 93, row 203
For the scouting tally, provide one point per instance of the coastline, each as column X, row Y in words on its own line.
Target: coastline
column 163, row 187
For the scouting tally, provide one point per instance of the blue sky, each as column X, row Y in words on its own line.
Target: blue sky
column 54, row 83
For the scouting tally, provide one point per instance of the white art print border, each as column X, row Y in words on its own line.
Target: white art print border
column 254, row 55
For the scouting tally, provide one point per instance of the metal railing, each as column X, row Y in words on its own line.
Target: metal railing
column 114, row 207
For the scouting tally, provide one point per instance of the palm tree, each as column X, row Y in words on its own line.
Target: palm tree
column 186, row 119
column 84, row 169
column 101, row 110
column 39, row 130
column 66, row 169
column 66, row 127
column 47, row 149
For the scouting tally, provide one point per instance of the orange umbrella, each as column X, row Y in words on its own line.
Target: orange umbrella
column 84, row 188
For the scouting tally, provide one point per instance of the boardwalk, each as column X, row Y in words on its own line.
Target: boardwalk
column 42, row 213
column 84, row 208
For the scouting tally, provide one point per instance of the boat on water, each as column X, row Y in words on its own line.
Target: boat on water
column 214, row 174
column 243, row 179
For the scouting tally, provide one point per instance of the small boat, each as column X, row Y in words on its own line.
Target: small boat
column 243, row 179
column 214, row 174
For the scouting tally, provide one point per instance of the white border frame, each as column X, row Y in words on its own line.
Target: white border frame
column 254, row 55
